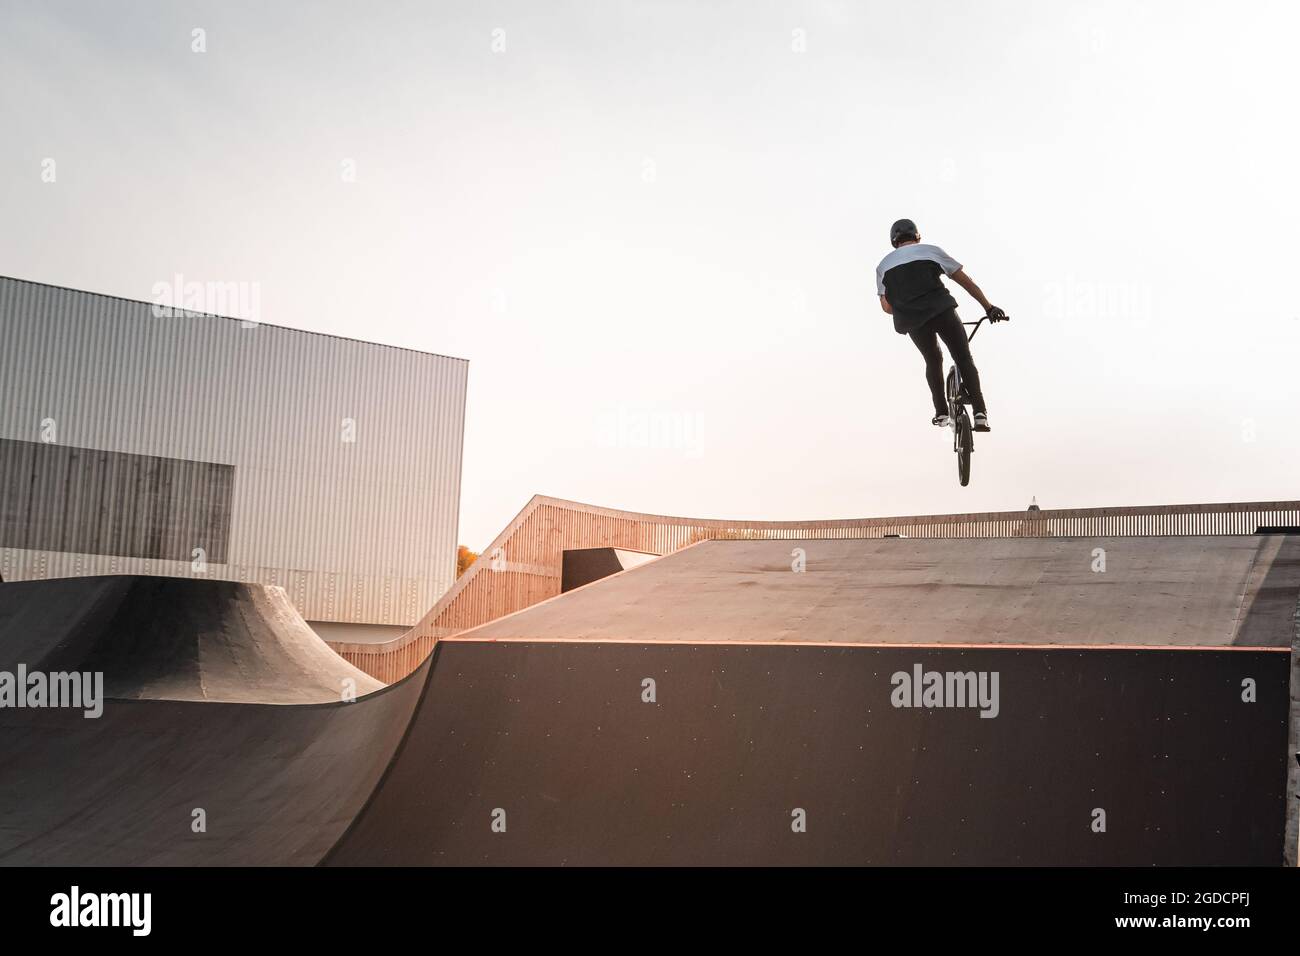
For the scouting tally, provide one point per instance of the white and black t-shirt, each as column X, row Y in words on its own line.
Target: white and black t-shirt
column 909, row 278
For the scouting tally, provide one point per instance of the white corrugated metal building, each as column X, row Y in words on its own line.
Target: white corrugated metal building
column 134, row 440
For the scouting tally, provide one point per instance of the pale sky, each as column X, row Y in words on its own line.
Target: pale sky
column 652, row 228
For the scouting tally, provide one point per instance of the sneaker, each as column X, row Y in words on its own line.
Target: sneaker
column 982, row 422
column 943, row 421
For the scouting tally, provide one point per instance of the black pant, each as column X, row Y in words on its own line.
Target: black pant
column 949, row 328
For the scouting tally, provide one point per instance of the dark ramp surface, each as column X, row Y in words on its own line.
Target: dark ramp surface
column 559, row 738
column 278, row 780
column 174, row 639
column 1120, row 690
column 278, row 783
column 581, row 566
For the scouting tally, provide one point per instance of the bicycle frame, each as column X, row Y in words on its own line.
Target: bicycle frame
column 963, row 441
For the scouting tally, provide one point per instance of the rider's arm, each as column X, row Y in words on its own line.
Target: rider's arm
column 967, row 283
column 884, row 304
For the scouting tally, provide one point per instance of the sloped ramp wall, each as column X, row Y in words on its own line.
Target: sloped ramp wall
column 524, row 565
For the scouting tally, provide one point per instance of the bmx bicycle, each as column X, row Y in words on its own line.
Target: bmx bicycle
column 963, row 435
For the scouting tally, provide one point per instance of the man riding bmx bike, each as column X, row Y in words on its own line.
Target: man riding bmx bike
column 911, row 290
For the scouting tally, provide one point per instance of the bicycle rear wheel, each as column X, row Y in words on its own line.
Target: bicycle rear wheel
column 964, row 443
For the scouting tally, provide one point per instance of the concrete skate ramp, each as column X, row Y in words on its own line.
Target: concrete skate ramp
column 718, row 707
column 162, row 780
column 1215, row 590
column 174, row 639
column 276, row 784
column 556, row 742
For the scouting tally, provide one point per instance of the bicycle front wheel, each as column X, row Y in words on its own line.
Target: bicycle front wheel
column 953, row 387
column 965, row 445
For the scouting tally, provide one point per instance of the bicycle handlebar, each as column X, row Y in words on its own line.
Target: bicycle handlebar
column 989, row 318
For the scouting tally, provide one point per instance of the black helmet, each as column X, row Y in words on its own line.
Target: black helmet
column 903, row 229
